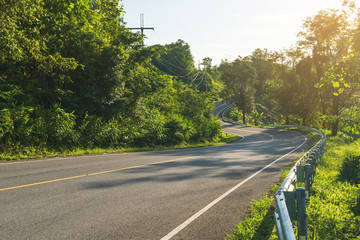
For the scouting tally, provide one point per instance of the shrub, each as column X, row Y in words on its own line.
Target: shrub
column 97, row 132
column 6, row 126
column 90, row 129
column 234, row 114
column 18, row 126
column 60, row 127
column 350, row 170
column 257, row 116
column 332, row 212
column 177, row 130
column 356, row 205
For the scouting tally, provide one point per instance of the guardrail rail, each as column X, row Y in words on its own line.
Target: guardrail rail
column 290, row 200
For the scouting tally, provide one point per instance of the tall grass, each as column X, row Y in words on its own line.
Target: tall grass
column 334, row 207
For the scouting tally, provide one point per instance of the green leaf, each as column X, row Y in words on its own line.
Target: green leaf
column 319, row 85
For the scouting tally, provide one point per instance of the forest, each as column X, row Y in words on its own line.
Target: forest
column 313, row 83
column 73, row 76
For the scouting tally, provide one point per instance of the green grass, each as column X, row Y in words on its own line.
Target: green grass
column 333, row 212
column 18, row 153
column 334, row 208
column 259, row 223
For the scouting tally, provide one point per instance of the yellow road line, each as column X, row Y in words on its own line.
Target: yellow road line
column 109, row 171
column 90, row 174
column 39, row 183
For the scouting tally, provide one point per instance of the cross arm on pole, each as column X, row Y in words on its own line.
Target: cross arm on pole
column 145, row 28
column 142, row 28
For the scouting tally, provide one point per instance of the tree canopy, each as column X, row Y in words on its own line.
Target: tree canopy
column 240, row 78
column 72, row 75
column 315, row 83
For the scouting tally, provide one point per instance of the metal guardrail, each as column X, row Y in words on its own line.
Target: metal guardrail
column 291, row 201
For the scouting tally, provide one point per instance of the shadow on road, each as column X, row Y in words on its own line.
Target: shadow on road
column 237, row 161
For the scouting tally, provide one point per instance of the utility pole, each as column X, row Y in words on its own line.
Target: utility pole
column 142, row 28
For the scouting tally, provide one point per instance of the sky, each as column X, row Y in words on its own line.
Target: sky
column 223, row 29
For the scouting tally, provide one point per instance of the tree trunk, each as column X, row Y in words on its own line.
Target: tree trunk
column 335, row 125
column 335, row 128
column 244, row 120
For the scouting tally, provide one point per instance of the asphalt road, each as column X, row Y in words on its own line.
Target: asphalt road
column 183, row 194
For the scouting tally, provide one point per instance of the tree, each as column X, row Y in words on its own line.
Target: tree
column 206, row 62
column 261, row 60
column 285, row 93
column 344, row 81
column 207, row 79
column 305, row 93
column 72, row 74
column 240, row 79
column 327, row 36
column 176, row 60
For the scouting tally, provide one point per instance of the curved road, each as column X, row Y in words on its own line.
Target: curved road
column 182, row 194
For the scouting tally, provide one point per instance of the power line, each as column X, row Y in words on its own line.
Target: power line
column 164, row 59
column 169, row 52
column 193, row 79
column 202, row 79
column 176, row 59
column 183, row 69
column 170, row 70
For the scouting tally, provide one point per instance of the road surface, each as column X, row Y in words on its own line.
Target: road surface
column 182, row 194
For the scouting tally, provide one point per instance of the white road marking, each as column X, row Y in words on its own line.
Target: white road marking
column 272, row 137
column 202, row 211
column 222, row 111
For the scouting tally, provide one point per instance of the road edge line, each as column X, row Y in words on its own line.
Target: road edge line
column 207, row 207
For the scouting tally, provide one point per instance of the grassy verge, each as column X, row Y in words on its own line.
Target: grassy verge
column 31, row 153
column 259, row 223
column 334, row 208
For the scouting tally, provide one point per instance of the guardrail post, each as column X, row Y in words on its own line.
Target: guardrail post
column 300, row 174
column 318, row 155
column 303, row 171
column 313, row 159
column 290, row 198
column 307, row 180
column 301, row 213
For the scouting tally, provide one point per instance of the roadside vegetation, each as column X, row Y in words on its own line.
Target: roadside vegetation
column 74, row 79
column 334, row 207
column 259, row 222
column 72, row 76
column 32, row 153
column 314, row 84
